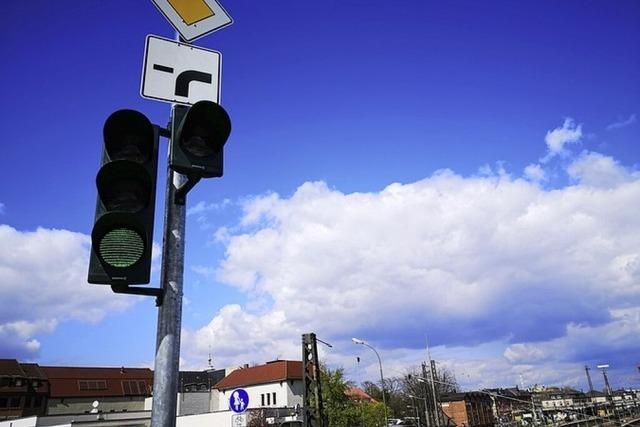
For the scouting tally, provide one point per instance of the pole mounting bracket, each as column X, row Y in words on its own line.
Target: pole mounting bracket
column 181, row 192
column 139, row 290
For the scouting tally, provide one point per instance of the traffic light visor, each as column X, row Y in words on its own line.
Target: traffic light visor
column 205, row 129
column 129, row 135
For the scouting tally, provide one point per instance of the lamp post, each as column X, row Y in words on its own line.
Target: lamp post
column 436, row 417
column 384, row 399
column 415, row 408
column 425, row 408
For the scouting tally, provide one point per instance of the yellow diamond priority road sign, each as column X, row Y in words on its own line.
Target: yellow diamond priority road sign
column 194, row 18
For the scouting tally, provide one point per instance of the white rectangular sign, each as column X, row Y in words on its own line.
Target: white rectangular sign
column 181, row 73
column 238, row 420
column 194, row 18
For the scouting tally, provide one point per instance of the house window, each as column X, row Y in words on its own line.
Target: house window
column 4, row 382
column 14, row 402
column 27, row 401
column 262, row 399
column 268, row 399
column 92, row 385
column 131, row 387
column 3, row 402
column 274, row 397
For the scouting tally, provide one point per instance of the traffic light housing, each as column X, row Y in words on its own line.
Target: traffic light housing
column 122, row 235
column 198, row 137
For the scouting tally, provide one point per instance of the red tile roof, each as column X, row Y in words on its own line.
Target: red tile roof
column 356, row 393
column 98, row 382
column 10, row 368
column 278, row 370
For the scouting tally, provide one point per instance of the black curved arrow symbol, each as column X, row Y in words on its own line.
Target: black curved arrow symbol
column 186, row 77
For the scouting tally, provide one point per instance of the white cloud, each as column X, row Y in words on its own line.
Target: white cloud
column 623, row 123
column 469, row 260
column 43, row 274
column 535, row 173
column 597, row 170
column 558, row 138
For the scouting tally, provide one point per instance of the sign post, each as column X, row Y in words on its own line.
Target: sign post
column 179, row 73
column 167, row 360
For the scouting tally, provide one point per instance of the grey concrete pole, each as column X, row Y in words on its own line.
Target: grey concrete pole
column 166, row 371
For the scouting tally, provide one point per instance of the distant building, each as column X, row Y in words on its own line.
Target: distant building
column 274, row 389
column 23, row 389
column 359, row 395
column 472, row 409
column 74, row 389
column 510, row 404
column 195, row 390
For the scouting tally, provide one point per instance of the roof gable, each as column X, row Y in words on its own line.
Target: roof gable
column 278, row 370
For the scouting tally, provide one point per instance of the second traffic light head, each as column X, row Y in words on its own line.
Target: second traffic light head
column 198, row 136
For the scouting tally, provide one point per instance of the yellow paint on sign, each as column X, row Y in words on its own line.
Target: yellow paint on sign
column 191, row 11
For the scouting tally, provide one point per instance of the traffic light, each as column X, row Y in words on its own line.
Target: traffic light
column 122, row 234
column 198, row 136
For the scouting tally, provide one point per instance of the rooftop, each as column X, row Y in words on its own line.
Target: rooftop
column 270, row 372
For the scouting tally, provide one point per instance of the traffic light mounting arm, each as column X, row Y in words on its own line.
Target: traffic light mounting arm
column 139, row 290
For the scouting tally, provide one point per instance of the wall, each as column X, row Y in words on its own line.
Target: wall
column 285, row 396
column 457, row 411
column 194, row 402
column 81, row 405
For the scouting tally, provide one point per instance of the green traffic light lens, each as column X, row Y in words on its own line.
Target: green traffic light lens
column 121, row 247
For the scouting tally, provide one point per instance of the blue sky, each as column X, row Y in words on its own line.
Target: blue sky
column 463, row 170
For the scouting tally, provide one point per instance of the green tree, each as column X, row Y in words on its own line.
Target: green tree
column 339, row 409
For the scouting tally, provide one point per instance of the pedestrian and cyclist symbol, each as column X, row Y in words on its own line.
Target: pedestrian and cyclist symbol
column 239, row 401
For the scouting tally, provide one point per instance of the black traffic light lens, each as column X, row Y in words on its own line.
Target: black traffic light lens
column 205, row 129
column 121, row 247
column 197, row 145
column 126, row 195
column 128, row 135
column 124, row 186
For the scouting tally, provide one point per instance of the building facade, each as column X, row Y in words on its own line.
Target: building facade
column 24, row 389
column 472, row 409
column 73, row 390
column 274, row 389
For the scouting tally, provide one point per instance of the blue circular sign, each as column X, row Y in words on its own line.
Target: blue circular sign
column 239, row 400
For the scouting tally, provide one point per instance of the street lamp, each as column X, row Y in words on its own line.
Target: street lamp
column 425, row 407
column 384, row 399
column 436, row 415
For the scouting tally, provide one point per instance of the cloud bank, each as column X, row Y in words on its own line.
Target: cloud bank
column 552, row 275
column 43, row 282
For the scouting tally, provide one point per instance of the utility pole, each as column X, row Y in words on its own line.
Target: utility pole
column 586, row 368
column 165, row 380
column 436, row 413
column 312, row 406
column 427, row 412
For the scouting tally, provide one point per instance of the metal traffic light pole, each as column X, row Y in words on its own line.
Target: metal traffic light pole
column 167, row 360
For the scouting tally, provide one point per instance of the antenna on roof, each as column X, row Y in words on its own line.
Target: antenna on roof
column 209, row 361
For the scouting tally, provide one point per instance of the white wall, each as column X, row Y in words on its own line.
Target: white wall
column 22, row 422
column 287, row 394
